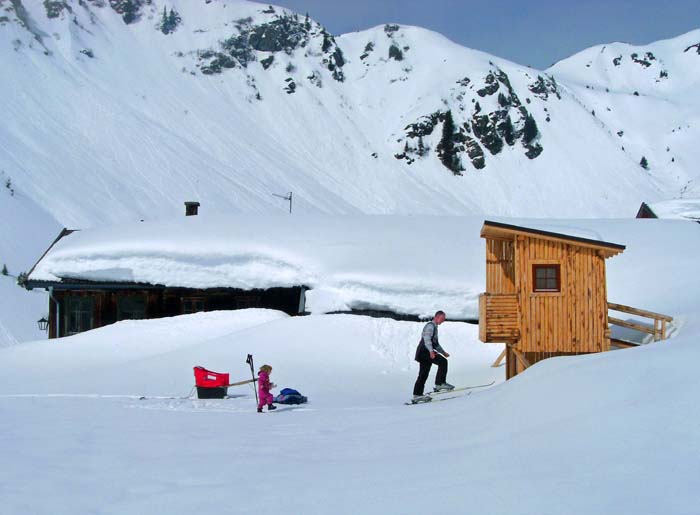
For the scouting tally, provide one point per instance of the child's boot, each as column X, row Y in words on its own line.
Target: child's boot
column 259, row 410
column 270, row 407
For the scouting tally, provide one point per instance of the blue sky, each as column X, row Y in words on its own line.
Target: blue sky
column 533, row 32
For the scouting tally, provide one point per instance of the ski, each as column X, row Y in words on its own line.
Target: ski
column 438, row 399
column 461, row 389
column 420, row 400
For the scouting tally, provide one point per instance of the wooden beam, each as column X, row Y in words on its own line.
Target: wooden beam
column 500, row 358
column 631, row 325
column 492, row 230
column 521, row 358
column 640, row 312
column 239, row 383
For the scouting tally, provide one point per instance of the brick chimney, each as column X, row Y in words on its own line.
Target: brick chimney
column 191, row 208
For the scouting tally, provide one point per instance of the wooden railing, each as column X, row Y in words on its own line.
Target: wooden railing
column 658, row 331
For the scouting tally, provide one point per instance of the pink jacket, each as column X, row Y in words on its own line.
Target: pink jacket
column 264, row 395
column 263, row 382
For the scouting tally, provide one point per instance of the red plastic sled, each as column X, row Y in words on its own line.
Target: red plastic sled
column 210, row 385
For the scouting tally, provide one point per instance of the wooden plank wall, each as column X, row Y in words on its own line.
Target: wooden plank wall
column 573, row 320
column 500, row 266
column 498, row 308
column 500, row 313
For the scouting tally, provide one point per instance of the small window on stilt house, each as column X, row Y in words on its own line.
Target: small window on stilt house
column 546, row 278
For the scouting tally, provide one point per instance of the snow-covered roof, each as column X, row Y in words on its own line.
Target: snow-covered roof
column 544, row 231
column 684, row 209
column 412, row 265
column 407, row 264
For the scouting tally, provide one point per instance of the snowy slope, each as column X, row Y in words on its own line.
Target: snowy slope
column 108, row 121
column 615, row 432
column 25, row 232
column 624, row 424
column 647, row 96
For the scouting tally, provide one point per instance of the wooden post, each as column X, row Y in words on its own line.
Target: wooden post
column 656, row 330
column 521, row 359
column 663, row 329
column 500, row 358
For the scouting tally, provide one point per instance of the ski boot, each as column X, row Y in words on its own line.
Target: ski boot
column 417, row 399
column 444, row 387
column 270, row 407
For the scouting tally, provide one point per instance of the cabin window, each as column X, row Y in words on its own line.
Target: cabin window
column 79, row 314
column 192, row 305
column 546, row 278
column 131, row 307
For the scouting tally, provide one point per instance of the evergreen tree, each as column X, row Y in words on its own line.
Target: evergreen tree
column 169, row 22
column 530, row 130
column 446, row 146
column 644, row 163
column 130, row 12
column 4, row 270
column 164, row 21
column 508, row 131
column 327, row 41
column 421, row 147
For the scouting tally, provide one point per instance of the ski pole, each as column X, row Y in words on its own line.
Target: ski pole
column 249, row 360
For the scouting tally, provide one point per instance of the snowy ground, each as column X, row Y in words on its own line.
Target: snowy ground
column 76, row 438
column 610, row 433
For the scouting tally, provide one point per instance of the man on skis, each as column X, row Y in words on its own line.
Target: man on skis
column 428, row 352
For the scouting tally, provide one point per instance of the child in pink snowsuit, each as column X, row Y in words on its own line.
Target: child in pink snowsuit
column 264, row 387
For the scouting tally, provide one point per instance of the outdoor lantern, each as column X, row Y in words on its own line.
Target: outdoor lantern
column 43, row 324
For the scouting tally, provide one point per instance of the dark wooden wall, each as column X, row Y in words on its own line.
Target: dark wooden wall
column 166, row 302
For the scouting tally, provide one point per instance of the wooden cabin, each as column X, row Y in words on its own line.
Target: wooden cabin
column 77, row 305
column 545, row 294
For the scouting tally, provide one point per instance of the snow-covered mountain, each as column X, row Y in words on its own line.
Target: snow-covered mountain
column 647, row 96
column 120, row 110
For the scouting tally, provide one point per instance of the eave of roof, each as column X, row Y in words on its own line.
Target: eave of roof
column 500, row 230
column 78, row 284
column 64, row 232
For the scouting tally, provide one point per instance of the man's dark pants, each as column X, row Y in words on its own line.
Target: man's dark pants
column 440, row 378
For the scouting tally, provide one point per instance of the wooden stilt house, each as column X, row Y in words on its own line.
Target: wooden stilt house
column 545, row 294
